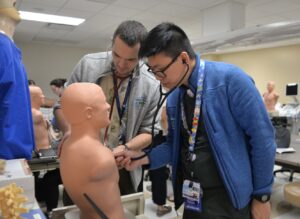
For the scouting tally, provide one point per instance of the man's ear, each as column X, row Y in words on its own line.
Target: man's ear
column 88, row 112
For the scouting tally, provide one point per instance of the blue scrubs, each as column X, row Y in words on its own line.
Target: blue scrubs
column 16, row 128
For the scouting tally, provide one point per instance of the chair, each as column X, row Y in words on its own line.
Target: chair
column 292, row 193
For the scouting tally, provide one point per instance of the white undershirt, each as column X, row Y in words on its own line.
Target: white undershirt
column 2, row 31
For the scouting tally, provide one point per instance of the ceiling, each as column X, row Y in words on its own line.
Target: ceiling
column 103, row 16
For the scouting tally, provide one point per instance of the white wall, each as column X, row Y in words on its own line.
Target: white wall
column 46, row 62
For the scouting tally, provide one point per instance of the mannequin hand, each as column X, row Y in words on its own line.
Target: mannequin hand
column 260, row 210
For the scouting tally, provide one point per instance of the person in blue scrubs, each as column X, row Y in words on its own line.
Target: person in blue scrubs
column 16, row 128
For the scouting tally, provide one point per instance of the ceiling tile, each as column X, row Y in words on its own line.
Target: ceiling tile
column 85, row 5
column 121, row 11
column 38, row 7
column 202, row 4
column 173, row 9
column 137, row 4
column 75, row 13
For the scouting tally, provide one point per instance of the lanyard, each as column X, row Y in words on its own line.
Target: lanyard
column 192, row 133
column 116, row 94
column 116, row 97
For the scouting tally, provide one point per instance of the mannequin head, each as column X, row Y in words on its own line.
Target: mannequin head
column 85, row 103
column 270, row 86
column 9, row 16
column 36, row 96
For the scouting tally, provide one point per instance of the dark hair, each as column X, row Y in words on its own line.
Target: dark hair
column 58, row 82
column 31, row 82
column 167, row 38
column 131, row 32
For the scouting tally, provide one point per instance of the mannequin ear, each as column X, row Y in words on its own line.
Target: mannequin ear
column 88, row 113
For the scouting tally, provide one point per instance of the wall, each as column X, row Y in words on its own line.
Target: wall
column 47, row 62
column 280, row 64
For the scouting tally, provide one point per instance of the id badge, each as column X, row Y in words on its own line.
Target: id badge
column 192, row 194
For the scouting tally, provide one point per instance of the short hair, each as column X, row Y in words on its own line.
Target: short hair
column 58, row 82
column 131, row 32
column 31, row 82
column 167, row 38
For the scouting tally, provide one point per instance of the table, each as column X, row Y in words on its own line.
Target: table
column 290, row 161
column 37, row 164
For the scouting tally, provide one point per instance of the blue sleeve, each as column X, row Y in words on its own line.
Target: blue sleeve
column 250, row 113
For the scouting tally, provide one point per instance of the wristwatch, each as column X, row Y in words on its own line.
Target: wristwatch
column 262, row 198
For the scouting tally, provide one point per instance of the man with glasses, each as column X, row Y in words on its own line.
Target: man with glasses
column 131, row 91
column 220, row 140
column 16, row 128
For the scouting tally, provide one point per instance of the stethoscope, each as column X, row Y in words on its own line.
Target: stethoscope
column 162, row 98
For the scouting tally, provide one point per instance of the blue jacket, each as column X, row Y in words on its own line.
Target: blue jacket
column 16, row 128
column 238, row 127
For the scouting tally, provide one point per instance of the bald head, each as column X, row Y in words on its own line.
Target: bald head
column 83, row 101
column 271, row 86
column 36, row 96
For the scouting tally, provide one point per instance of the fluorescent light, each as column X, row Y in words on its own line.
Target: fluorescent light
column 279, row 24
column 49, row 18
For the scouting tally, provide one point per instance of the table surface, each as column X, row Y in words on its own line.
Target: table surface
column 290, row 160
column 42, row 164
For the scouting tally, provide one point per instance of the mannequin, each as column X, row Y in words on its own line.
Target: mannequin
column 87, row 166
column 39, row 123
column 270, row 97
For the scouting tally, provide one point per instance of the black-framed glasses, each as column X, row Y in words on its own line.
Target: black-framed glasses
column 161, row 73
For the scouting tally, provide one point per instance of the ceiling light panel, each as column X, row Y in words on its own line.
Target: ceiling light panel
column 48, row 18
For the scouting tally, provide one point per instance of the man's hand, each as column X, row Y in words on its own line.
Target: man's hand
column 123, row 159
column 120, row 158
column 260, row 210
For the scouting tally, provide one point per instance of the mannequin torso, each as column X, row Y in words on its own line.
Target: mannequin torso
column 87, row 166
column 39, row 123
column 270, row 97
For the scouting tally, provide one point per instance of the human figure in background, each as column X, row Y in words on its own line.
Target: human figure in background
column 31, row 82
column 270, row 97
column 131, row 91
column 159, row 176
column 16, row 128
column 58, row 85
column 86, row 165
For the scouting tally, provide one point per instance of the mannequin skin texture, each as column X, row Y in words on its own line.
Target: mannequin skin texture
column 39, row 123
column 9, row 17
column 270, row 97
column 86, row 166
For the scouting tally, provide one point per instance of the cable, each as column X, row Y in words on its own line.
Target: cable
column 159, row 105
